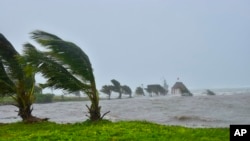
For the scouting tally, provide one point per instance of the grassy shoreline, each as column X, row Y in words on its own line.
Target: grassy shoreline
column 106, row 131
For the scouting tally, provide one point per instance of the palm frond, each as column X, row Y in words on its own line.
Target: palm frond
column 107, row 89
column 57, row 76
column 8, row 56
column 4, row 78
column 39, row 34
column 67, row 52
column 65, row 66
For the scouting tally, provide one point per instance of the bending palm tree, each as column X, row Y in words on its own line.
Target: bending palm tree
column 66, row 67
column 17, row 79
column 107, row 89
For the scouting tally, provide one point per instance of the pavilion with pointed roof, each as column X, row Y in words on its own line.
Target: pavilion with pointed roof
column 180, row 88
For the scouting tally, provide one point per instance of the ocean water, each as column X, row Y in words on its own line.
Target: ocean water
column 228, row 106
column 222, row 91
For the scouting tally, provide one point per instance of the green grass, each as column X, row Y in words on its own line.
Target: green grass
column 108, row 131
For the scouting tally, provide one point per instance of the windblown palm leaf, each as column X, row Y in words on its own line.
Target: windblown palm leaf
column 66, row 52
column 7, row 86
column 9, row 56
column 57, row 75
column 107, row 89
column 17, row 78
column 116, row 87
column 8, row 67
column 65, row 66
column 126, row 89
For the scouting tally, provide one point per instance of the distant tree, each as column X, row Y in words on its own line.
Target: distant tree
column 157, row 89
column 44, row 98
column 107, row 89
column 38, row 89
column 116, row 87
column 77, row 93
column 139, row 91
column 126, row 90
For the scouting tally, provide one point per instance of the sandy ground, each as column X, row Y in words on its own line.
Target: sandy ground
column 196, row 111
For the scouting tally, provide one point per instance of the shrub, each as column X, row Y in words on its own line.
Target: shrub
column 44, row 98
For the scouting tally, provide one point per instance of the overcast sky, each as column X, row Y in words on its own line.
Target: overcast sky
column 206, row 43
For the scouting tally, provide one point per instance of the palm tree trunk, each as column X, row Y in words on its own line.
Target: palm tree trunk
column 24, row 104
column 120, row 95
column 109, row 96
column 25, row 112
column 94, row 109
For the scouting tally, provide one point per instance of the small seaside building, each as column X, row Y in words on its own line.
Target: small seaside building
column 180, row 88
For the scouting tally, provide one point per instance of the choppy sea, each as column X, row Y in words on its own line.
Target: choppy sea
column 228, row 106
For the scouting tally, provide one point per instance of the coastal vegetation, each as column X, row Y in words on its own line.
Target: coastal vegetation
column 118, row 88
column 107, row 89
column 17, row 79
column 139, row 91
column 67, row 67
column 44, row 98
column 106, row 130
column 156, row 89
column 63, row 64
